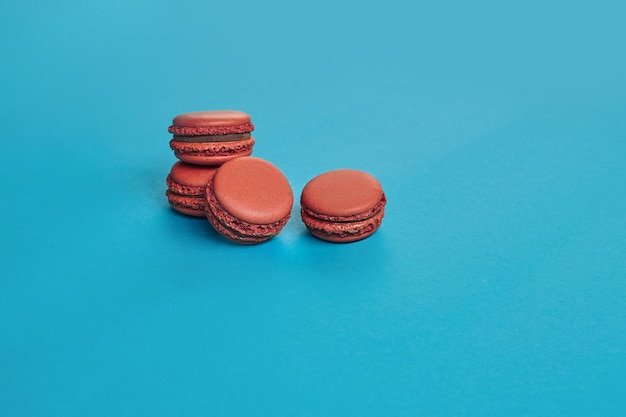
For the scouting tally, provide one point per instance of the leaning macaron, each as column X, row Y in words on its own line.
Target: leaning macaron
column 186, row 185
column 248, row 200
column 211, row 137
column 342, row 206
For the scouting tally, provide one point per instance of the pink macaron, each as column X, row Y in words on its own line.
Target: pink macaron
column 248, row 200
column 345, row 205
column 186, row 185
column 211, row 137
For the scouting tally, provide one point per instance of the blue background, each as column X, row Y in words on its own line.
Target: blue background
column 495, row 286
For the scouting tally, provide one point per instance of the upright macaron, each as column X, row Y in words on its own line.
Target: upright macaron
column 186, row 186
column 211, row 137
column 343, row 205
column 248, row 200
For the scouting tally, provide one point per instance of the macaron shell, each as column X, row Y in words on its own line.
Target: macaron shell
column 342, row 193
column 194, row 177
column 211, row 153
column 188, row 211
column 180, row 189
column 212, row 138
column 212, row 118
column 212, row 122
column 200, row 159
column 253, row 191
column 229, row 234
column 189, row 205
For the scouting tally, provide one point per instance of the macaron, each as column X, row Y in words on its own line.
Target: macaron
column 248, row 200
column 342, row 206
column 211, row 137
column 186, row 186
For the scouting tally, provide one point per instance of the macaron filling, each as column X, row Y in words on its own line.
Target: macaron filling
column 181, row 189
column 210, row 130
column 189, row 205
column 212, row 138
column 353, row 218
column 186, row 201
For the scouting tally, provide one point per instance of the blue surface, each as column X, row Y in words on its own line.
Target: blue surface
column 495, row 286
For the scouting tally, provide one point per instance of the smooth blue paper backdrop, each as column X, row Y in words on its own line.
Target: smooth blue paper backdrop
column 495, row 286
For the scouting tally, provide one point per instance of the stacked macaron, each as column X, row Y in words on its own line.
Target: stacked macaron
column 250, row 200
column 342, row 206
column 211, row 137
column 186, row 184
column 203, row 141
